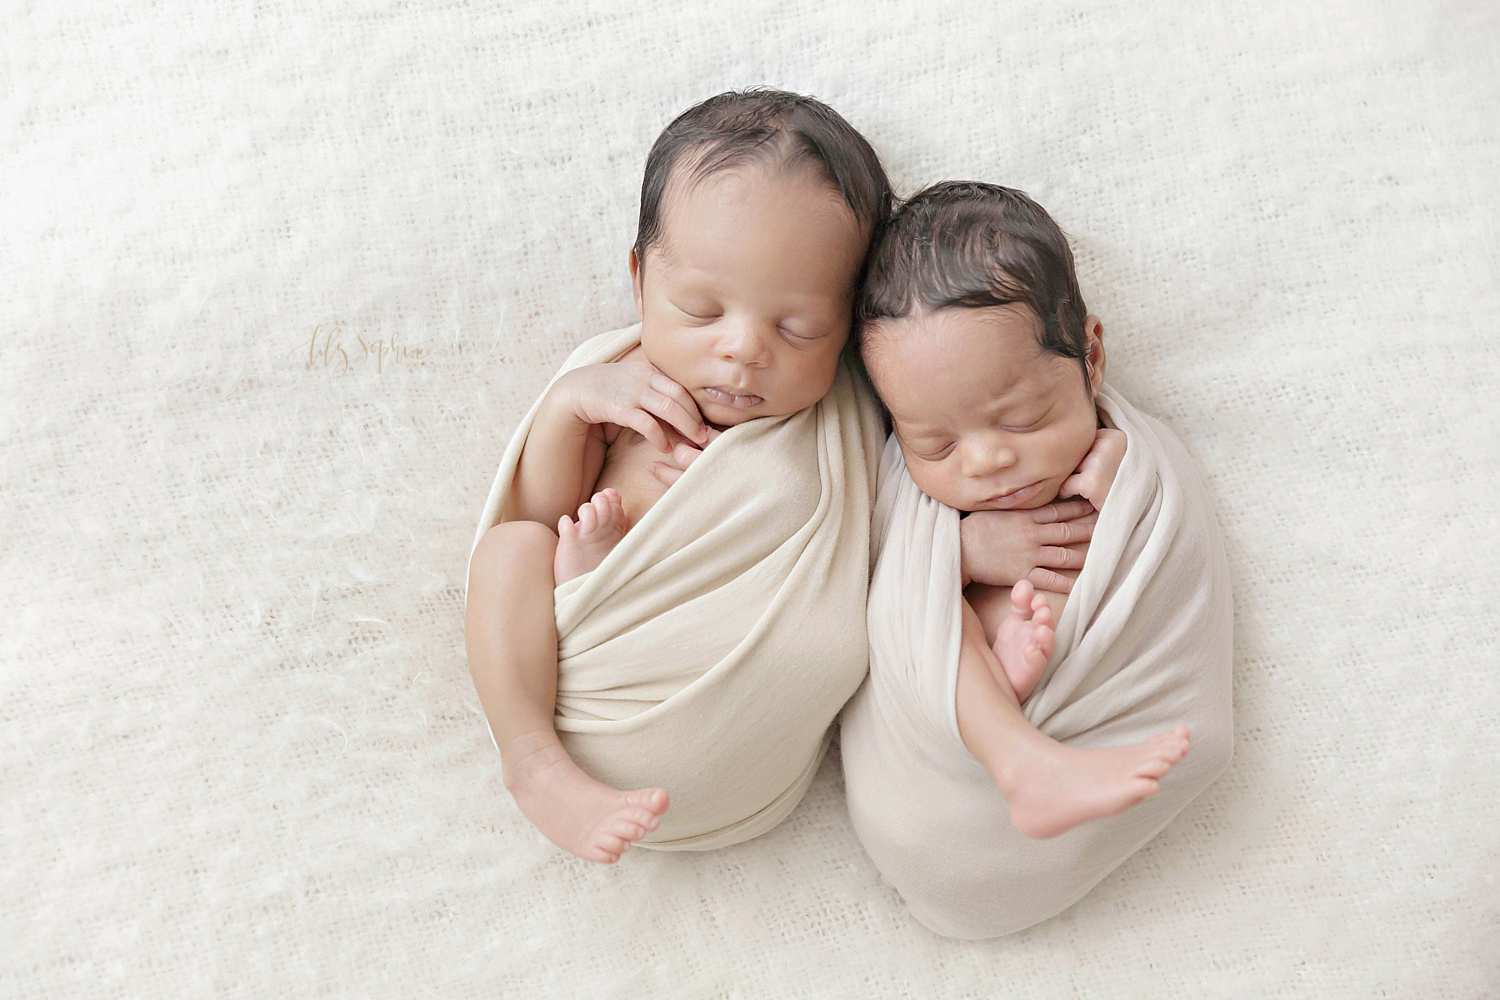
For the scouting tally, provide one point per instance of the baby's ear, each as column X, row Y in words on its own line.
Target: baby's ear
column 1093, row 332
column 635, row 280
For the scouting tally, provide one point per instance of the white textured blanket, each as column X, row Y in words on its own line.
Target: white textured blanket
column 710, row 651
column 1144, row 645
column 240, row 751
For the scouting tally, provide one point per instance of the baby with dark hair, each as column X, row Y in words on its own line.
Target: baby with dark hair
column 758, row 209
column 1071, row 705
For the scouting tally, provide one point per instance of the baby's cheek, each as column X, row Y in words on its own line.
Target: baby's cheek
column 813, row 382
column 1074, row 449
column 935, row 480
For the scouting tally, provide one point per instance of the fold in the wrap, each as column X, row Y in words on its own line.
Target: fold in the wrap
column 1145, row 644
column 712, row 649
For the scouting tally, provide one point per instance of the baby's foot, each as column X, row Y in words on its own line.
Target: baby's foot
column 1025, row 639
column 1052, row 788
column 582, row 816
column 583, row 544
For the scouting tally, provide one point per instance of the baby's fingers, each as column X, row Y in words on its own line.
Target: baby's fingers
column 1068, row 532
column 1063, row 510
column 684, row 454
column 648, row 427
column 675, row 406
column 1050, row 580
column 664, row 473
column 1056, row 557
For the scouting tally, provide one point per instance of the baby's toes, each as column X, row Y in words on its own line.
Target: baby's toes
column 1145, row 787
column 616, row 509
column 601, row 856
column 609, row 515
column 1154, row 767
column 626, row 830
column 1020, row 598
column 611, row 843
column 644, row 818
column 587, row 519
column 654, row 800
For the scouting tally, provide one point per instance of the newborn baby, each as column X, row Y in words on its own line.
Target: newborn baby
column 994, row 410
column 757, row 214
column 1056, row 715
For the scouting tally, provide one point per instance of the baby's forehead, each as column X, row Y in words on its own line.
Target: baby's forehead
column 1004, row 337
column 762, row 183
column 921, row 363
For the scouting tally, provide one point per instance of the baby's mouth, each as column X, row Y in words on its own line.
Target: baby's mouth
column 736, row 400
column 1009, row 500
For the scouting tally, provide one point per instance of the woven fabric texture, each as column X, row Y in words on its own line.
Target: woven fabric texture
column 280, row 280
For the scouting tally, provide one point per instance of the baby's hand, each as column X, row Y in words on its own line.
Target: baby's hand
column 632, row 394
column 684, row 453
column 1003, row 547
column 1096, row 473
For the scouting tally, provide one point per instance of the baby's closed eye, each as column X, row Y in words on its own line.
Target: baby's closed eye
column 929, row 449
column 803, row 331
column 698, row 310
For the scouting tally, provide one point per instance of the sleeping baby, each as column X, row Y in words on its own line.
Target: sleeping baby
column 1001, row 710
column 637, row 647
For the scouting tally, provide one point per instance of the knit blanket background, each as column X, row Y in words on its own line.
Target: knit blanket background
column 280, row 280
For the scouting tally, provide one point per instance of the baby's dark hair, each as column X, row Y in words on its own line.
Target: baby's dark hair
column 966, row 243
column 765, row 126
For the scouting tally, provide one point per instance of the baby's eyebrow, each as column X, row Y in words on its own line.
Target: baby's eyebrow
column 1021, row 394
column 920, row 431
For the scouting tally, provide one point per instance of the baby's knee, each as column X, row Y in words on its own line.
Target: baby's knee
column 512, row 541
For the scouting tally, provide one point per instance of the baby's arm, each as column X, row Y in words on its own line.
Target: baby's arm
column 564, row 451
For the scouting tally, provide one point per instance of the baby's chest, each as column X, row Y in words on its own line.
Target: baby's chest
column 626, row 469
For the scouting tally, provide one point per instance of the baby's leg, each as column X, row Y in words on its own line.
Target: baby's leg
column 511, row 635
column 1050, row 788
column 583, row 544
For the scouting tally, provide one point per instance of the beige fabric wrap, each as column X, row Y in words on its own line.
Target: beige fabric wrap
column 1144, row 644
column 712, row 649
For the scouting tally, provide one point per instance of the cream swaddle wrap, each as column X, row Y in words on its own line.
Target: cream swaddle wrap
column 1144, row 645
column 712, row 649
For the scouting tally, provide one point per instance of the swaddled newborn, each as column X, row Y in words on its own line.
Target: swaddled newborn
column 975, row 336
column 689, row 645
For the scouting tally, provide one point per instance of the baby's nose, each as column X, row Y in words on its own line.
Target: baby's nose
column 984, row 456
column 745, row 342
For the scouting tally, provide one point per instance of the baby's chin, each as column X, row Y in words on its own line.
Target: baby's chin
column 720, row 416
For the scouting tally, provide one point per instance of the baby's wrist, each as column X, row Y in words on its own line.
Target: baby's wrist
column 564, row 404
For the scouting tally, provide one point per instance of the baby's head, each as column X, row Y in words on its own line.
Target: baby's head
column 758, row 209
column 976, row 337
